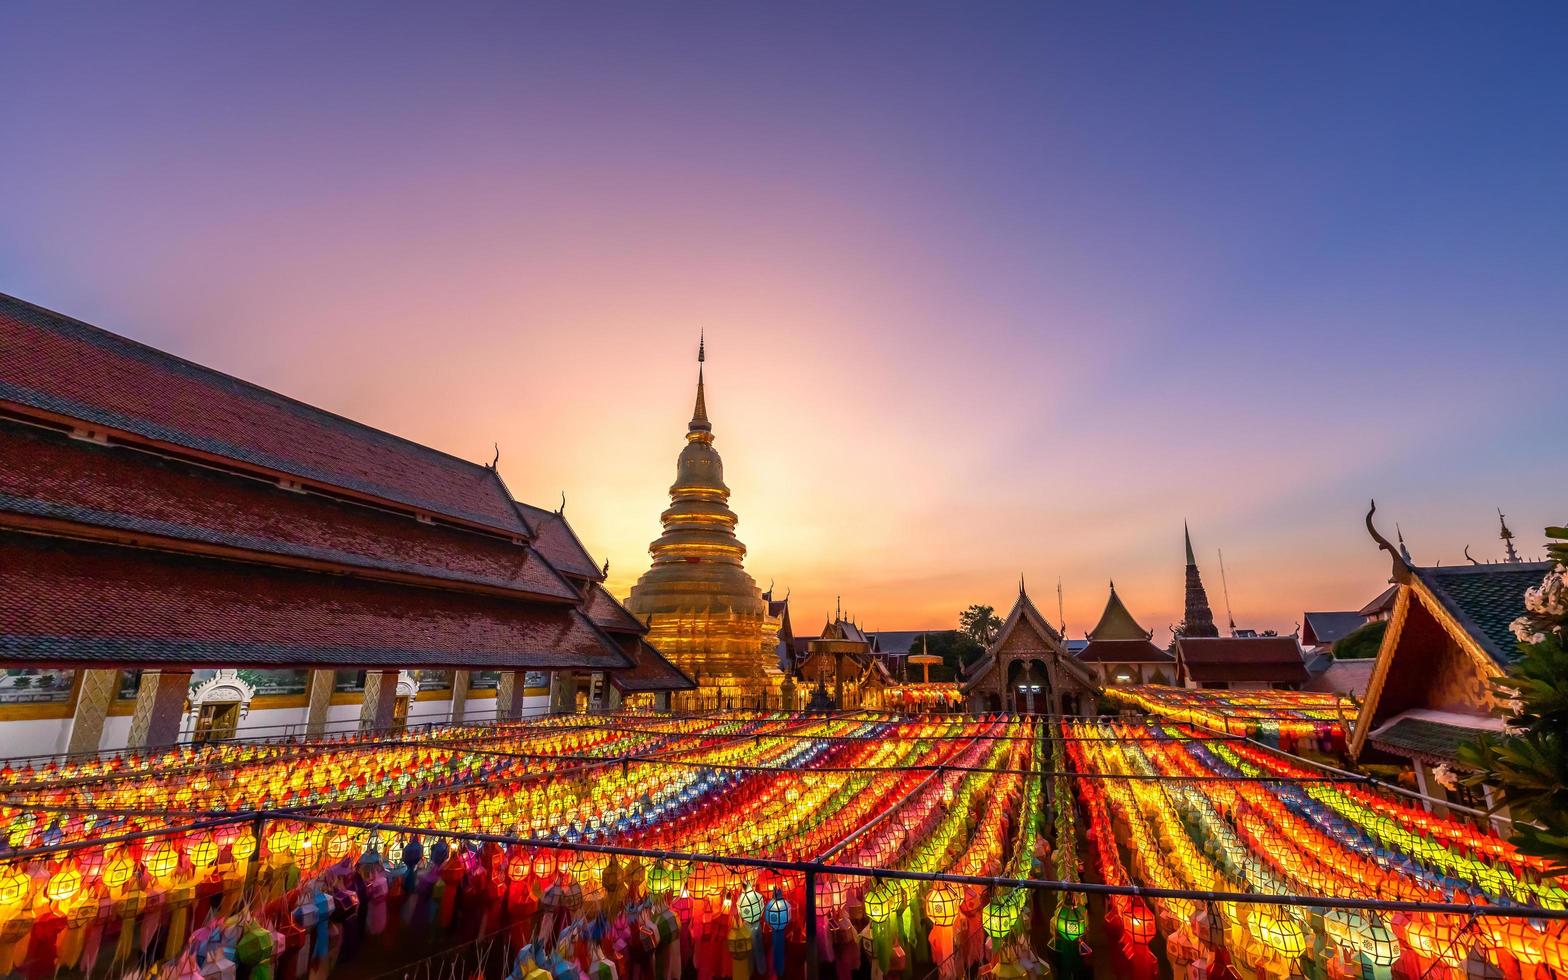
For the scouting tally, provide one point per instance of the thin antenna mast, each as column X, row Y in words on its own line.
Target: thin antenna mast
column 1225, row 586
column 1061, row 617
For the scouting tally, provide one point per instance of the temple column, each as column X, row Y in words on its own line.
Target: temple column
column 563, row 693
column 376, row 710
column 661, row 701
column 93, row 694
column 509, row 697
column 321, row 684
column 160, row 702
column 459, row 695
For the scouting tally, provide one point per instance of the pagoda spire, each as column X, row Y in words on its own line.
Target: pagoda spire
column 1508, row 539
column 699, row 414
column 1199, row 618
column 1403, row 551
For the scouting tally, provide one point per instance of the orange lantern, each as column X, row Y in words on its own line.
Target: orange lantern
column 338, row 845
column 544, row 863
column 942, row 904
column 119, row 871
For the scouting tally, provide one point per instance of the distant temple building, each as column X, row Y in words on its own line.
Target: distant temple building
column 1029, row 669
column 702, row 610
column 184, row 554
column 840, row 669
column 1242, row 660
column 1122, row 652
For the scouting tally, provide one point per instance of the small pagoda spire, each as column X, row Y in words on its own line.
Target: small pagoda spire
column 1199, row 618
column 699, row 414
column 1508, row 539
column 1403, row 551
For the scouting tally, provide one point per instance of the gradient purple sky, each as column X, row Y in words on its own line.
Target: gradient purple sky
column 988, row 288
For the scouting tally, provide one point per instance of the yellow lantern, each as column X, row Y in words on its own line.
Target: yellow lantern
column 64, row 885
column 204, row 852
column 1278, row 932
column 161, row 860
column 338, row 845
column 15, row 885
column 244, row 846
column 879, row 903
column 119, row 871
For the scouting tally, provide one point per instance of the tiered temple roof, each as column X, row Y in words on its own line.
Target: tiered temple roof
column 157, row 513
column 1117, row 638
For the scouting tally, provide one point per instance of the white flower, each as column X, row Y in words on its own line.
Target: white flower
column 1446, row 776
column 1522, row 628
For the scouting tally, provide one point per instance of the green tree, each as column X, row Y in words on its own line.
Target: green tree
column 1361, row 643
column 1529, row 762
column 979, row 623
column 957, row 650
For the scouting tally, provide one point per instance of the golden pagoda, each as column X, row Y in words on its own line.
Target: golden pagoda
column 703, row 611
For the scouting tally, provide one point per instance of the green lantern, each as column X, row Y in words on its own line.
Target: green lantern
column 1071, row 923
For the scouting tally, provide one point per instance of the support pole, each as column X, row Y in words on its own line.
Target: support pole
column 812, row 965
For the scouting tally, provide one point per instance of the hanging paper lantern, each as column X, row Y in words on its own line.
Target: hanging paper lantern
column 544, row 863
column 1071, row 922
column 998, row 919
column 750, row 906
column 64, row 885
column 160, row 859
column 659, row 880
column 879, row 903
column 1279, row 932
column 778, row 911
column 338, row 845
column 831, row 894
column 942, row 904
column 119, row 871
column 244, row 846
column 14, row 887
column 1377, row 944
column 1140, row 923
column 204, row 852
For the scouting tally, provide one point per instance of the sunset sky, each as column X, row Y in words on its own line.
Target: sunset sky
column 989, row 288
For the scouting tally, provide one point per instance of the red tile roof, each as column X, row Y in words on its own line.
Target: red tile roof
column 1275, row 659
column 1123, row 652
column 74, row 604
column 122, row 489
column 556, row 540
column 610, row 615
column 60, row 366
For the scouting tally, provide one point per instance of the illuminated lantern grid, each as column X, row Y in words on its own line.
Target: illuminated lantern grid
column 938, row 794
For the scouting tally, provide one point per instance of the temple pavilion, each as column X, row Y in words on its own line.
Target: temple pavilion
column 186, row 554
column 1029, row 669
column 1123, row 652
column 1448, row 640
column 702, row 610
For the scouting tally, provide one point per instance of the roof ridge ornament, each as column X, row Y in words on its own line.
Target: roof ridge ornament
column 1402, row 565
column 1508, row 539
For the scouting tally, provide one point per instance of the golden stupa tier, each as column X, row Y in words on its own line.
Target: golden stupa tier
column 703, row 611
